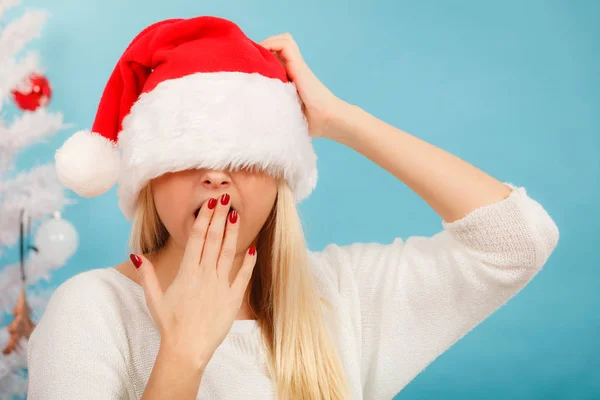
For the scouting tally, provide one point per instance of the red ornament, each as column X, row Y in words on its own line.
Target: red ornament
column 34, row 94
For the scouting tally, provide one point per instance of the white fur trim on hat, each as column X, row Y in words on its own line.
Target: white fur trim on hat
column 216, row 120
column 88, row 163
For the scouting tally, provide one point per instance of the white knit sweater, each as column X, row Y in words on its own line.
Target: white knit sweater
column 397, row 307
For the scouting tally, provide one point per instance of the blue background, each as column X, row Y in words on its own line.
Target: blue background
column 512, row 87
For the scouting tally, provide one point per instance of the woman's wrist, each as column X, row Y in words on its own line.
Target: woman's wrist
column 341, row 121
column 174, row 376
column 183, row 358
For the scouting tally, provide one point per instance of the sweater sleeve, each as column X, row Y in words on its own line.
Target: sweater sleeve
column 417, row 298
column 72, row 353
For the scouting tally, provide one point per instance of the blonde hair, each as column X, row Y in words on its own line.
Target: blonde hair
column 302, row 359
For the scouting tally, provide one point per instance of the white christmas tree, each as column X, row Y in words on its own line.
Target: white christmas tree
column 26, row 198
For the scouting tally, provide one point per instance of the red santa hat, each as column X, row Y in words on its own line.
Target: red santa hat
column 190, row 93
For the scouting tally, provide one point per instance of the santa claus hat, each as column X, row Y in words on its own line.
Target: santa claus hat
column 190, row 93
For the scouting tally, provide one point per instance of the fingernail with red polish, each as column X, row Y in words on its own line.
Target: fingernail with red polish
column 212, row 203
column 233, row 216
column 225, row 199
column 252, row 250
column 136, row 260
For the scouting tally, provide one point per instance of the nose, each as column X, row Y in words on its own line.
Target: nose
column 215, row 179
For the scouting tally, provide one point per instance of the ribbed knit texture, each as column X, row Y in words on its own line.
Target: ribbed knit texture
column 396, row 307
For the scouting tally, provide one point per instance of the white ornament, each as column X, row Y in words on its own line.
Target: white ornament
column 56, row 239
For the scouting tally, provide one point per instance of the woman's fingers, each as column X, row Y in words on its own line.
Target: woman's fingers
column 286, row 50
column 229, row 247
column 214, row 235
column 147, row 276
column 242, row 279
column 281, row 46
column 195, row 243
column 281, row 38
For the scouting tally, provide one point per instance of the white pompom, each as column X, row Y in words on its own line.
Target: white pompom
column 88, row 163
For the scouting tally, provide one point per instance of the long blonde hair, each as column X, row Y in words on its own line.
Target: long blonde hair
column 301, row 355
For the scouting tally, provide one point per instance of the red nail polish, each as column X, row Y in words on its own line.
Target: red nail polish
column 136, row 260
column 233, row 216
column 212, row 203
column 225, row 199
column 252, row 250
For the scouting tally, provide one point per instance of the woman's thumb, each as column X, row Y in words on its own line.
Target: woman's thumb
column 147, row 277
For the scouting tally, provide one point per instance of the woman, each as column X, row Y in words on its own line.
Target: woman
column 221, row 298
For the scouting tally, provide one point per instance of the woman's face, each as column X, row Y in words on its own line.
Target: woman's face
column 177, row 196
